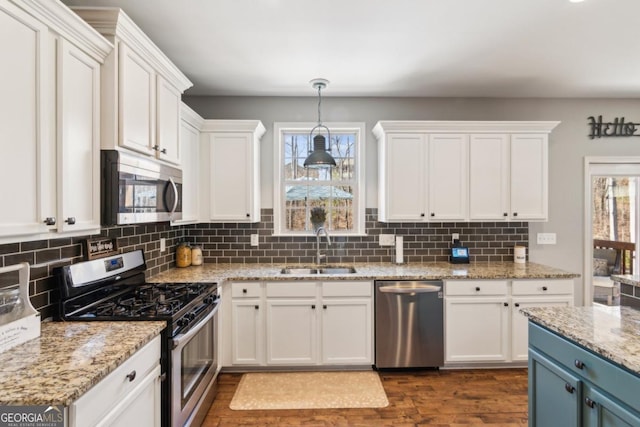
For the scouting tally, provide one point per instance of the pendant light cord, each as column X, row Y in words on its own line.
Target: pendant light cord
column 319, row 104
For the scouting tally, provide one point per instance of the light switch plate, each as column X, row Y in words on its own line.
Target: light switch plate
column 546, row 238
column 387, row 239
column 254, row 240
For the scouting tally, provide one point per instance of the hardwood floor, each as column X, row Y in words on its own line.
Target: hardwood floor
column 496, row 397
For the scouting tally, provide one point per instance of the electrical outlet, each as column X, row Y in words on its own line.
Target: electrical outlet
column 163, row 244
column 454, row 237
column 546, row 238
column 387, row 239
column 254, row 240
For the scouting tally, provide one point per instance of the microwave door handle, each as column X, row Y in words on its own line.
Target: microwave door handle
column 175, row 193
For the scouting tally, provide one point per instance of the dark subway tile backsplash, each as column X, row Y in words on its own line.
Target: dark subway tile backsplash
column 230, row 243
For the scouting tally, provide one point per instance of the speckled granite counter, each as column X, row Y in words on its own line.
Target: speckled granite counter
column 68, row 359
column 612, row 332
column 427, row 271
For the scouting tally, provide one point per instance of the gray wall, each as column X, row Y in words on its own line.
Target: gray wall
column 569, row 144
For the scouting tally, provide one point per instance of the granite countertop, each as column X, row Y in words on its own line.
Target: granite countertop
column 68, row 359
column 365, row 271
column 612, row 332
column 627, row 279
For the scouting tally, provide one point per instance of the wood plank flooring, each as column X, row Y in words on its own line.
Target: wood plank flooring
column 496, row 397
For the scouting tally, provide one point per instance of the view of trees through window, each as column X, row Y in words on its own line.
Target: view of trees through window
column 330, row 188
column 613, row 218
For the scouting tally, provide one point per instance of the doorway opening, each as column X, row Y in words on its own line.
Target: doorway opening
column 612, row 217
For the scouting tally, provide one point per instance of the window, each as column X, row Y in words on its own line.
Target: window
column 338, row 190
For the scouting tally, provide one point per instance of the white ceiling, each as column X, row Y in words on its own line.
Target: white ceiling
column 426, row 48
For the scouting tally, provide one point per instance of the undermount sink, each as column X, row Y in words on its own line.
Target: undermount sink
column 321, row 270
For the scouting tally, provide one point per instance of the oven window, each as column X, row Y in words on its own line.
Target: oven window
column 197, row 358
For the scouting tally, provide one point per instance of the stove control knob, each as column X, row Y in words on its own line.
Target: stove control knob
column 190, row 315
column 182, row 322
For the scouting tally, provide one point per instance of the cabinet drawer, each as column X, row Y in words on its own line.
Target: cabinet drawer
column 291, row 289
column 246, row 290
column 476, row 287
column 607, row 376
column 542, row 287
column 346, row 289
column 91, row 407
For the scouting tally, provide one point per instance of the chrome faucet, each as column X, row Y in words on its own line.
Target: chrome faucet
column 320, row 256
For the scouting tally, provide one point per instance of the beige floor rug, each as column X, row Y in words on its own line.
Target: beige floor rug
column 309, row 390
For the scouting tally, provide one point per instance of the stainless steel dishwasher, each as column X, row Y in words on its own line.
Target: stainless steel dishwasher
column 409, row 324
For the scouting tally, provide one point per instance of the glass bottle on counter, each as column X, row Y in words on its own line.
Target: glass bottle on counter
column 183, row 255
column 196, row 255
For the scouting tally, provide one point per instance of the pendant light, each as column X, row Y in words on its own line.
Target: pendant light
column 320, row 156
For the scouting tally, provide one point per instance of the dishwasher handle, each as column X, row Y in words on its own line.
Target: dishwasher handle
column 419, row 289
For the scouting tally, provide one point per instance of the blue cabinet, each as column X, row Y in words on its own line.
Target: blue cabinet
column 572, row 386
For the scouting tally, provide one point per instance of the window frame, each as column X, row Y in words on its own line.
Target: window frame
column 358, row 128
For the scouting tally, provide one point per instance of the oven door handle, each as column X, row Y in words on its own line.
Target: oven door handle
column 182, row 339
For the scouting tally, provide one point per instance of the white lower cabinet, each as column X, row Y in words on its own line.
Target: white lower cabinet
column 301, row 323
column 247, row 324
column 128, row 396
column 483, row 323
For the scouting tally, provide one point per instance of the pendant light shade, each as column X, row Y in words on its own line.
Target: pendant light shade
column 320, row 156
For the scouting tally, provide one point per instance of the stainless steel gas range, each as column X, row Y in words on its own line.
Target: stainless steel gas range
column 114, row 288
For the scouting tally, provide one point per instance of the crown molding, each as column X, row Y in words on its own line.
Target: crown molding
column 452, row 126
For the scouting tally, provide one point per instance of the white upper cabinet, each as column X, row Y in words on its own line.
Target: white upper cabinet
column 448, row 177
column 461, row 171
column 50, row 121
column 79, row 136
column 529, row 177
column 233, row 166
column 190, row 125
column 141, row 89
column 489, row 177
column 403, row 177
column 24, row 123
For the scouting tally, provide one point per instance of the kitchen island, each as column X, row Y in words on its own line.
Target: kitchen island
column 584, row 366
column 68, row 359
column 629, row 289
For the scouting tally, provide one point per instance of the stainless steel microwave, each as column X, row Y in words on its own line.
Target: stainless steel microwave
column 137, row 190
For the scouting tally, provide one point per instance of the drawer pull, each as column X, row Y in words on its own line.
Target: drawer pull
column 50, row 220
column 590, row 403
column 506, row 304
column 257, row 307
column 544, row 288
column 578, row 364
column 313, row 306
column 131, row 376
column 569, row 388
column 244, row 291
column 477, row 288
column 517, row 304
column 324, row 306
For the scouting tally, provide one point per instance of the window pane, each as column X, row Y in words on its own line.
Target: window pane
column 295, row 151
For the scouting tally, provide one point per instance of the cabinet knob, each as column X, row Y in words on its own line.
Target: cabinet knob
column 257, row 307
column 324, row 306
column 590, row 403
column 163, row 151
column 248, row 215
column 156, row 147
column 515, row 214
column 505, row 214
column 569, row 388
column 313, row 306
column 71, row 220
column 544, row 288
column 50, row 220
column 477, row 288
column 433, row 214
column 244, row 291
column 506, row 304
column 578, row 364
column 422, row 215
column 517, row 304
column 131, row 376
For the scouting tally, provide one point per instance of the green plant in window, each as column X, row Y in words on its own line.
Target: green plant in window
column 318, row 215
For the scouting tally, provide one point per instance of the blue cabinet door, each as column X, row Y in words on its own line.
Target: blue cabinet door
column 602, row 411
column 555, row 394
